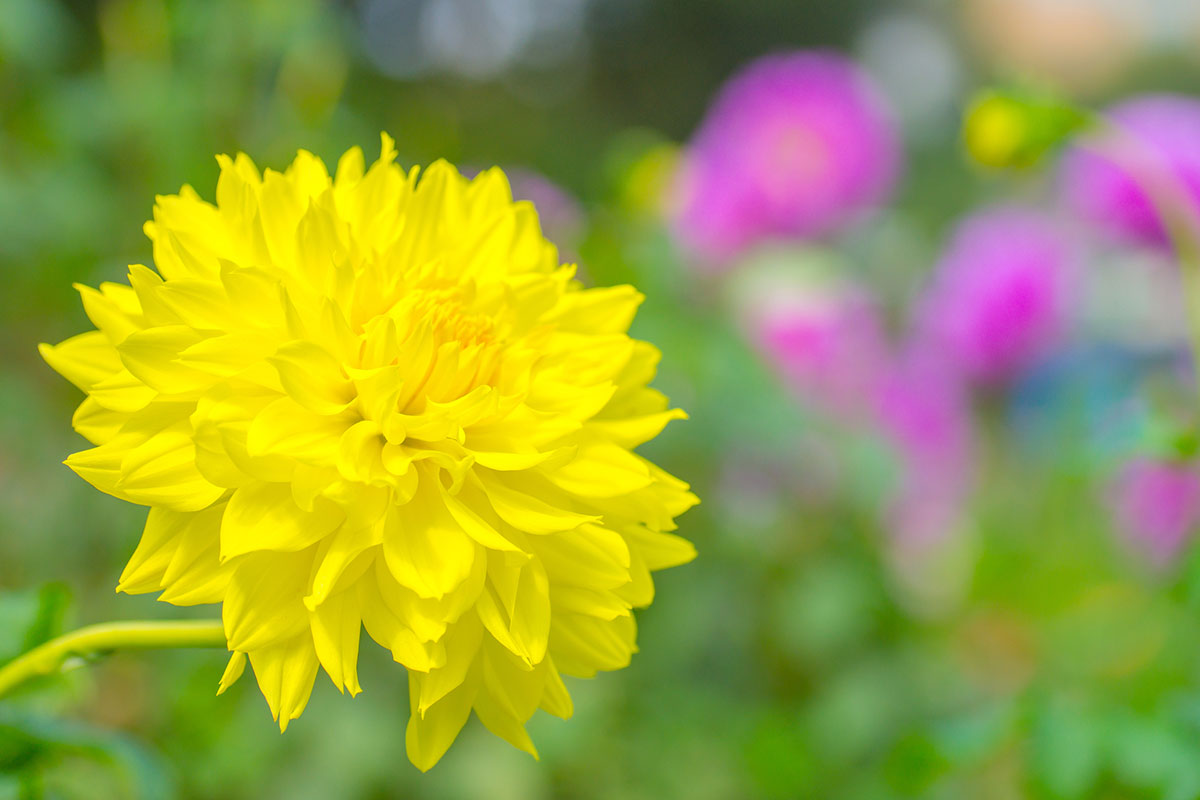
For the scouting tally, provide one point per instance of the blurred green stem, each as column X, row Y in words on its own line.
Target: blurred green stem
column 48, row 658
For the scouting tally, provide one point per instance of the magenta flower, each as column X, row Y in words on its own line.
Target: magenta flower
column 1162, row 143
column 795, row 146
column 1156, row 505
column 924, row 412
column 1000, row 297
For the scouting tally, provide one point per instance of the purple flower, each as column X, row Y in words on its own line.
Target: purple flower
column 1161, row 143
column 1156, row 505
column 924, row 412
column 795, row 146
column 1001, row 294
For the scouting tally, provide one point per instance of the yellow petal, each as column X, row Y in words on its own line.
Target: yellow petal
column 429, row 736
column 556, row 699
column 462, row 646
column 600, row 469
column 342, row 558
column 123, row 392
column 430, row 617
column 85, row 360
column 474, row 524
column 630, row 432
column 602, row 604
column 152, row 356
column 581, row 644
column 148, row 564
column 515, row 607
column 312, row 377
column 286, row 428
column 590, row 556
column 228, row 354
column 503, row 724
column 336, row 628
column 96, row 423
column 233, row 671
column 101, row 466
column 508, row 696
column 263, row 516
column 114, row 309
column 360, row 453
column 390, row 631
column 162, row 471
column 263, row 605
column 198, row 303
column 605, row 310
column 660, row 550
column 195, row 574
column 285, row 674
column 639, row 592
column 425, row 549
column 526, row 512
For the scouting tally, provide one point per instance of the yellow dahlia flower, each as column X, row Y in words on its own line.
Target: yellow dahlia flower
column 377, row 400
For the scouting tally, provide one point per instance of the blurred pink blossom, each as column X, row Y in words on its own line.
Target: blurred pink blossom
column 1162, row 141
column 823, row 334
column 1156, row 505
column 825, row 340
column 795, row 146
column 1001, row 296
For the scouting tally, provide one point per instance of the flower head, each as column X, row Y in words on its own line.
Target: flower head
column 1156, row 505
column 1159, row 143
column 1000, row 297
column 795, row 146
column 377, row 400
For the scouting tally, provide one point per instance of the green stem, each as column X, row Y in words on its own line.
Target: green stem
column 48, row 658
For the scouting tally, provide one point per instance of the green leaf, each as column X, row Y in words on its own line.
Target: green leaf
column 53, row 602
column 18, row 613
column 31, row 745
column 1066, row 745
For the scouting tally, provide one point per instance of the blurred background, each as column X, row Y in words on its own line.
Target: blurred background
column 943, row 416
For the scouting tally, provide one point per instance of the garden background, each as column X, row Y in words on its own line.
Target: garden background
column 1042, row 642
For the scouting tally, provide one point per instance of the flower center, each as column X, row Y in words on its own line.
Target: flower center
column 443, row 311
column 794, row 156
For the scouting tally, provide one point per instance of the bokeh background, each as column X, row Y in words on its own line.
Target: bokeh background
column 936, row 582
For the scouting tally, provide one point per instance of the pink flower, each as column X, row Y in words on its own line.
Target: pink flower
column 1001, row 295
column 1163, row 142
column 820, row 332
column 795, row 146
column 1156, row 505
column 825, row 340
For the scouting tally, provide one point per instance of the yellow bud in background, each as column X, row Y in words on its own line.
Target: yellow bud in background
column 1015, row 129
column 648, row 180
column 994, row 130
